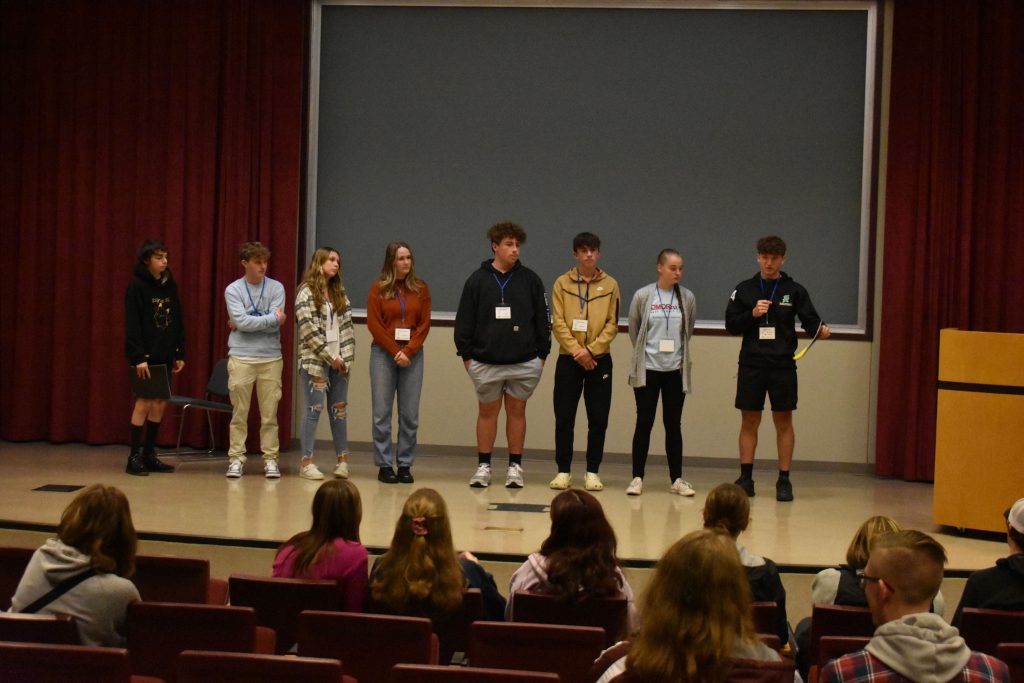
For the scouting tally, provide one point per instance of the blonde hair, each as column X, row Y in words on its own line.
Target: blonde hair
column 317, row 283
column 911, row 562
column 420, row 573
column 860, row 547
column 388, row 276
column 694, row 610
column 98, row 522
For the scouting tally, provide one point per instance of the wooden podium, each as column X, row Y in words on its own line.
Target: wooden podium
column 979, row 430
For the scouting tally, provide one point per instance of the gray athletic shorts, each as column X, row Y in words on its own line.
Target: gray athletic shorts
column 518, row 381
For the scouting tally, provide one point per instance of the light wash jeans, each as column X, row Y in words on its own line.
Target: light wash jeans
column 387, row 379
column 335, row 393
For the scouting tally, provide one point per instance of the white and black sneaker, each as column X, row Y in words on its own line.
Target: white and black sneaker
column 481, row 479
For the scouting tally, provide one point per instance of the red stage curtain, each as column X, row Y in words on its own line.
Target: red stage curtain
column 954, row 222
column 121, row 121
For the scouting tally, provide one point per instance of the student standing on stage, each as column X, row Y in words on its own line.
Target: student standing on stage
column 661, row 319
column 327, row 348
column 585, row 321
column 398, row 317
column 255, row 314
column 764, row 310
column 154, row 335
column 502, row 333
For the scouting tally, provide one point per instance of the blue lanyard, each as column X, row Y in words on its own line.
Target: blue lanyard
column 256, row 311
column 502, row 285
column 579, row 289
column 401, row 302
column 666, row 312
column 774, row 289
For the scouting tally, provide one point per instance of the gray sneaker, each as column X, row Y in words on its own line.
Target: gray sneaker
column 514, row 478
column 481, row 479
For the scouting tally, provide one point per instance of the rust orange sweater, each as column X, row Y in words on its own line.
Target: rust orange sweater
column 384, row 315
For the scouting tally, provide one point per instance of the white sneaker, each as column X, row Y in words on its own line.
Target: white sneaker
column 636, row 487
column 271, row 470
column 341, row 471
column 514, row 478
column 592, row 482
column 234, row 469
column 681, row 487
column 311, row 471
column 482, row 478
column 562, row 481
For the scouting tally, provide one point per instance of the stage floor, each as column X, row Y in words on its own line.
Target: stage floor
column 198, row 503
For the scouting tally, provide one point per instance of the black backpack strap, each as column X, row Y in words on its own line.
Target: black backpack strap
column 59, row 590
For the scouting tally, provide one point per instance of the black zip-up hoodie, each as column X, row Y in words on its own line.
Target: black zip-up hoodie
column 790, row 301
column 480, row 336
column 153, row 328
column 998, row 587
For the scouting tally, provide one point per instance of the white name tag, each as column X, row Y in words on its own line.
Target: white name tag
column 503, row 312
column 403, row 334
column 667, row 345
column 332, row 334
column 579, row 325
column 766, row 333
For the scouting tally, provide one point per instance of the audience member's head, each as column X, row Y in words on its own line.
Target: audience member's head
column 859, row 550
column 420, row 572
column 903, row 574
column 337, row 513
column 98, row 522
column 1015, row 527
column 695, row 608
column 580, row 550
column 727, row 507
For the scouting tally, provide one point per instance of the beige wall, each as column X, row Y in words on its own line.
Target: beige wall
column 832, row 423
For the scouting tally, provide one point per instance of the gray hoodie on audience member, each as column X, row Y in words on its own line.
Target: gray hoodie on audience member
column 98, row 604
column 921, row 647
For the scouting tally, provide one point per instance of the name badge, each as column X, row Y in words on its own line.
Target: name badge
column 332, row 334
column 579, row 325
column 766, row 333
column 667, row 345
column 503, row 312
column 403, row 334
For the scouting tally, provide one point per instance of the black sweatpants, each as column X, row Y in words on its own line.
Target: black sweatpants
column 669, row 385
column 596, row 386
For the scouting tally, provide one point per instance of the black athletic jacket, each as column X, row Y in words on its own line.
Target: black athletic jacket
column 791, row 300
column 998, row 587
column 480, row 336
column 152, row 319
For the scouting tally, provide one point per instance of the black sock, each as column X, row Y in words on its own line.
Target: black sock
column 783, row 474
column 483, row 458
column 151, row 429
column 747, row 470
column 136, row 437
column 515, row 459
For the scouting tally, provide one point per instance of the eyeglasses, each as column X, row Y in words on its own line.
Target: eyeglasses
column 863, row 580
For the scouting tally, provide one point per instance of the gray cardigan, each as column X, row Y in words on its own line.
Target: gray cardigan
column 639, row 313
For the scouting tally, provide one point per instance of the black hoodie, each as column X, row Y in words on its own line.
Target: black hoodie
column 480, row 336
column 790, row 301
column 153, row 328
column 998, row 587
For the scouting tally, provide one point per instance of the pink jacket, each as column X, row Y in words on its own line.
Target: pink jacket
column 345, row 562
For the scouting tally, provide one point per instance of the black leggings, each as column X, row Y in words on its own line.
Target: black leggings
column 670, row 386
column 596, row 386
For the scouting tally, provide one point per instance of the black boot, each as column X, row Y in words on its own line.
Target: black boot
column 153, row 464
column 405, row 475
column 387, row 475
column 135, row 464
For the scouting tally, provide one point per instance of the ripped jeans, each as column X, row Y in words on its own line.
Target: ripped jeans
column 334, row 395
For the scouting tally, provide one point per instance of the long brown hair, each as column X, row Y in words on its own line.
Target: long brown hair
column 580, row 549
column 317, row 283
column 98, row 522
column 389, row 278
column 337, row 513
column 420, row 573
column 728, row 508
column 694, row 609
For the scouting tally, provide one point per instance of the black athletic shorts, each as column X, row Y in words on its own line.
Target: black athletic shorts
column 753, row 383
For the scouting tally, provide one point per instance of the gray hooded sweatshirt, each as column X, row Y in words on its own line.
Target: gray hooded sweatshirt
column 98, row 604
column 921, row 647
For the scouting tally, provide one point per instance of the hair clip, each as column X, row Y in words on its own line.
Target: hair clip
column 419, row 526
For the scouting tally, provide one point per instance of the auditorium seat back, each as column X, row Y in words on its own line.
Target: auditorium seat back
column 609, row 614
column 278, row 602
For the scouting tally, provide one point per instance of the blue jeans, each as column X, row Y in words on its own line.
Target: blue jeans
column 335, row 393
column 387, row 379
